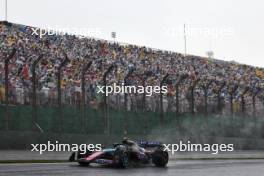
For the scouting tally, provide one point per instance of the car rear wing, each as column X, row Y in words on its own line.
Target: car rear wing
column 150, row 144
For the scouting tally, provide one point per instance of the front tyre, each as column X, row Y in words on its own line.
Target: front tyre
column 160, row 158
column 121, row 157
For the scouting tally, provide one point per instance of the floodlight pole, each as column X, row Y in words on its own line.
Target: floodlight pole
column 185, row 45
column 5, row 10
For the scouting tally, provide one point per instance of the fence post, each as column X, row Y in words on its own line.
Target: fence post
column 125, row 84
column 205, row 100
column 144, row 95
column 231, row 93
column 231, row 103
column 63, row 63
column 144, row 78
column 254, row 105
column 7, row 88
column 84, row 70
column 219, row 96
column 243, row 100
column 34, row 94
column 105, row 109
column 205, row 89
column 177, row 98
column 161, row 99
column 254, row 101
column 125, row 101
column 146, row 121
column 192, row 100
column 182, row 78
column 192, row 96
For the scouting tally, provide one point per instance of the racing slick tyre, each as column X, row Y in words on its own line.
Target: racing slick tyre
column 82, row 155
column 121, row 157
column 160, row 158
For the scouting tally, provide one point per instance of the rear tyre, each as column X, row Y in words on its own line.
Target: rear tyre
column 160, row 158
column 81, row 155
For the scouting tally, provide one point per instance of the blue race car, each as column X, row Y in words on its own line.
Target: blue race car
column 126, row 154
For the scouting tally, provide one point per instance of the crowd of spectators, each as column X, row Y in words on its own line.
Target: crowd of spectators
column 142, row 64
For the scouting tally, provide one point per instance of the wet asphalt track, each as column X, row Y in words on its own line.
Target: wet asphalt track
column 180, row 168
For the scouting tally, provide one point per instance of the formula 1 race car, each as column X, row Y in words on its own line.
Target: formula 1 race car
column 126, row 154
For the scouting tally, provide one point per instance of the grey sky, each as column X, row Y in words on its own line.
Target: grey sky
column 157, row 23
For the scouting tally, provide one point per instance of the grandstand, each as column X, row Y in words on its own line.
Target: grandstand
column 195, row 84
